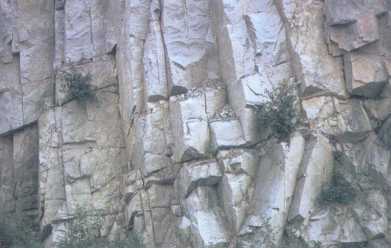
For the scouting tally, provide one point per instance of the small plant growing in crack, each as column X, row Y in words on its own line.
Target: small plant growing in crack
column 84, row 231
column 339, row 191
column 278, row 112
column 78, row 86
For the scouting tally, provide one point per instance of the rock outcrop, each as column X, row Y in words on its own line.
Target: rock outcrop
column 169, row 147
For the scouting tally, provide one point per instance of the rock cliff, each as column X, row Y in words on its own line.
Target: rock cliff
column 170, row 147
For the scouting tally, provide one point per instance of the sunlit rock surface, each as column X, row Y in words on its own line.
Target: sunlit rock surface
column 169, row 147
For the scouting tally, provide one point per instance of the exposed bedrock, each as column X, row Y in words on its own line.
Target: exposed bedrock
column 148, row 111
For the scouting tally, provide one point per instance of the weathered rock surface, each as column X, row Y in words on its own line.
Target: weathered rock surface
column 169, row 147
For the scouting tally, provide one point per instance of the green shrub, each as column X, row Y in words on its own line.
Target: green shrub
column 78, row 86
column 339, row 191
column 18, row 232
column 84, row 232
column 278, row 112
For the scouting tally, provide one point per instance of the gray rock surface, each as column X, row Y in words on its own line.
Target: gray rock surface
column 170, row 148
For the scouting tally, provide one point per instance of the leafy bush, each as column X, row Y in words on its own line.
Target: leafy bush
column 84, row 232
column 278, row 113
column 17, row 232
column 339, row 191
column 78, row 86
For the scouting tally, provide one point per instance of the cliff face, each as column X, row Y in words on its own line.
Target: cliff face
column 169, row 147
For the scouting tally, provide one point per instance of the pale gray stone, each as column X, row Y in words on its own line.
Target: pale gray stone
column 156, row 80
column 188, row 39
column 316, row 173
column 318, row 71
column 226, row 133
column 193, row 175
column 239, row 168
column 207, row 225
column 275, row 184
column 190, row 126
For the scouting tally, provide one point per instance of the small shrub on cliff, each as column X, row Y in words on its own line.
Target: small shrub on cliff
column 278, row 112
column 78, row 86
column 339, row 191
column 84, row 232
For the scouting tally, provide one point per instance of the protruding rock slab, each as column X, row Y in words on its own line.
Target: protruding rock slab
column 239, row 168
column 193, row 175
column 353, row 24
column 275, row 185
column 316, row 172
column 365, row 74
column 207, row 222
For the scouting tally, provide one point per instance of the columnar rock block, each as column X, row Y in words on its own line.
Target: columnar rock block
column 182, row 162
column 35, row 45
column 19, row 172
column 26, row 50
column 239, row 170
column 207, row 226
column 275, row 184
column 253, row 55
column 86, row 32
column 188, row 40
column 317, row 71
column 25, row 161
column 315, row 174
column 51, row 170
column 129, row 60
column 190, row 126
column 156, row 78
column 237, row 55
column 152, row 152
column 7, row 183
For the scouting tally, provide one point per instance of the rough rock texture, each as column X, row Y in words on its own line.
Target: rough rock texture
column 169, row 147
